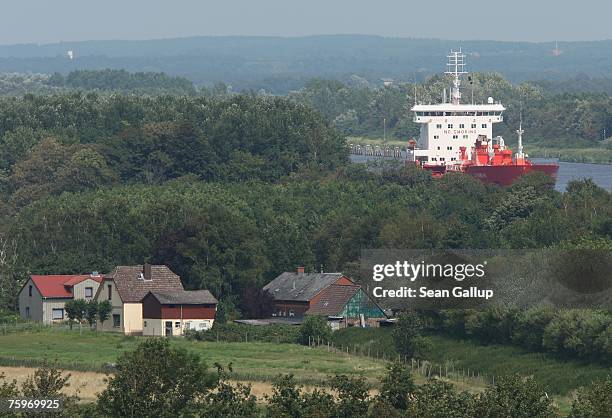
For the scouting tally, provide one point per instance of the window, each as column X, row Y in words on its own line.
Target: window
column 449, row 148
column 461, row 126
column 438, row 147
column 465, row 137
column 436, row 136
column 453, row 158
column 441, row 158
column 484, row 125
column 473, row 126
column 177, row 324
column 450, row 126
column 57, row 314
column 434, row 159
column 291, row 313
column 27, row 312
column 145, row 324
column 89, row 292
column 455, row 136
column 30, row 290
column 116, row 320
column 110, row 292
column 439, row 126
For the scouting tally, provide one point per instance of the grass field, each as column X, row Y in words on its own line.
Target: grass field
column 558, row 376
column 251, row 361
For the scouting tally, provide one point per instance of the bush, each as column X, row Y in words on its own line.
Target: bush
column 315, row 328
column 594, row 400
column 156, row 380
column 407, row 335
column 440, row 399
column 396, row 386
column 514, row 396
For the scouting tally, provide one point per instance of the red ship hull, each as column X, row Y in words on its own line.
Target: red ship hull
column 503, row 175
column 492, row 163
column 506, row 175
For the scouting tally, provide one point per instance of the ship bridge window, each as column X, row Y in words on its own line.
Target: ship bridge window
column 455, row 136
column 484, row 125
column 473, row 126
column 450, row 126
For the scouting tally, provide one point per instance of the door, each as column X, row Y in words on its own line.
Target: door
column 168, row 328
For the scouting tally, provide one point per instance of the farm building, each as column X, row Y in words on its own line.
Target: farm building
column 346, row 305
column 171, row 314
column 126, row 286
column 334, row 295
column 294, row 292
column 42, row 297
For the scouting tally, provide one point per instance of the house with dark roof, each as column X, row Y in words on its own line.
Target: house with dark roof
column 170, row 314
column 333, row 295
column 294, row 292
column 42, row 298
column 126, row 288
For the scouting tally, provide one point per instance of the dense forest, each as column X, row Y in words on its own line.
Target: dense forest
column 279, row 65
column 102, row 81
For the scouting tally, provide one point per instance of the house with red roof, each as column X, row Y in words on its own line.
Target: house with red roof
column 43, row 297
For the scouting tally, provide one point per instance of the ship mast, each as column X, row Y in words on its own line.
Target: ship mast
column 520, row 132
column 456, row 68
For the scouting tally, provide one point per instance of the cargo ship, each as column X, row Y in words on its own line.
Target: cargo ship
column 458, row 137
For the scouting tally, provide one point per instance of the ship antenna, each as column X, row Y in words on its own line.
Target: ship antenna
column 520, row 132
column 415, row 88
column 456, row 68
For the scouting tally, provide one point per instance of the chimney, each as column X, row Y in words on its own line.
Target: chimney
column 146, row 270
column 300, row 269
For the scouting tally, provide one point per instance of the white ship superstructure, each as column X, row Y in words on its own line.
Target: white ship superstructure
column 449, row 125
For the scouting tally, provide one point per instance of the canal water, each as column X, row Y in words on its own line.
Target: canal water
column 600, row 173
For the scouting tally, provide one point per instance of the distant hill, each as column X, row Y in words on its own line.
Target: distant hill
column 280, row 64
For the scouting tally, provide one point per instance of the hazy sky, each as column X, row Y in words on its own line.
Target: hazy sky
column 44, row 21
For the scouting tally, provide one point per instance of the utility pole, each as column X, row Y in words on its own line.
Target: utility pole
column 384, row 129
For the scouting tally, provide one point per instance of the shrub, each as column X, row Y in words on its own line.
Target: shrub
column 439, row 399
column 315, row 328
column 396, row 386
column 155, row 380
column 594, row 400
column 514, row 396
column 407, row 335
